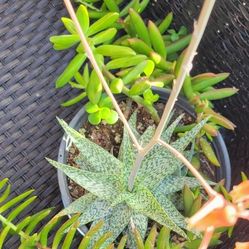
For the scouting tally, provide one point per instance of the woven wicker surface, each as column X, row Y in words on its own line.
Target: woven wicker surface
column 29, row 102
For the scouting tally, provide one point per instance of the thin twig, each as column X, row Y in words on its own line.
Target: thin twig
column 99, row 72
column 193, row 170
column 199, row 29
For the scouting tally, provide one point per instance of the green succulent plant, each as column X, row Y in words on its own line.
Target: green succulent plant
column 105, row 177
column 134, row 55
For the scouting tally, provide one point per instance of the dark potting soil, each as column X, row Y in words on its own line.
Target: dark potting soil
column 109, row 137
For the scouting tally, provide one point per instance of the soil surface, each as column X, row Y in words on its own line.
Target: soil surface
column 109, row 137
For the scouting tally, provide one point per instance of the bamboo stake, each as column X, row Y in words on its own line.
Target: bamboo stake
column 98, row 71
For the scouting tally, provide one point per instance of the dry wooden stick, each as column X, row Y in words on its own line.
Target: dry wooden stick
column 191, row 168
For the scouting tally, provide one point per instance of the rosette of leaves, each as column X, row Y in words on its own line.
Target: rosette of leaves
column 105, row 178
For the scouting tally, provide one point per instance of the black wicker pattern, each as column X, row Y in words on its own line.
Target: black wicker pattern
column 29, row 102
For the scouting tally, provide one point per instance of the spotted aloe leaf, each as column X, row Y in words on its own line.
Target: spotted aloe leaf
column 160, row 178
column 115, row 222
column 104, row 185
column 127, row 151
column 184, row 141
column 147, row 135
column 144, row 202
column 159, row 162
column 174, row 184
column 171, row 210
column 168, row 132
column 90, row 207
column 102, row 161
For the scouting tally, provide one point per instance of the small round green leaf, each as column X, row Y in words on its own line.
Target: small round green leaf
column 105, row 113
column 91, row 108
column 94, row 118
column 105, row 101
column 112, row 117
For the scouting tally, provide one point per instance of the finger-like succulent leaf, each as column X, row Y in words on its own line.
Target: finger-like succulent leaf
column 184, row 141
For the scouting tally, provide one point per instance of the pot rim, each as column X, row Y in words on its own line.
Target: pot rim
column 223, row 172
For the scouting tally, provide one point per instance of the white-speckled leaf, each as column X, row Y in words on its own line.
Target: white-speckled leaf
column 82, row 163
column 104, row 185
column 96, row 157
column 170, row 209
column 90, row 207
column 155, row 168
column 160, row 163
column 174, row 184
column 115, row 222
column 127, row 150
column 189, row 155
column 177, row 200
column 184, row 141
column 144, row 202
column 147, row 135
column 168, row 132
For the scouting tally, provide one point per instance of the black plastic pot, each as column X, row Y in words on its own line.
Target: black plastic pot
column 224, row 172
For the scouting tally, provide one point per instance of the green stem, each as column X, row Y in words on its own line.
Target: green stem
column 12, row 227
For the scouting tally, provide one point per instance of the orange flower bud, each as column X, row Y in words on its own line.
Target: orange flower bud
column 240, row 192
column 220, row 217
column 240, row 245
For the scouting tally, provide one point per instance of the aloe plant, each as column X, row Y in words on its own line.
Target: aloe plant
column 105, row 178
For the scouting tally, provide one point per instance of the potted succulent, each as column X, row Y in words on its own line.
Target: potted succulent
column 135, row 65
column 152, row 183
column 130, row 190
